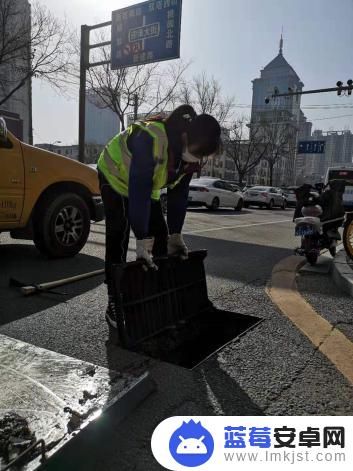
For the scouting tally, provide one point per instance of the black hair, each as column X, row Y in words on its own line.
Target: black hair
column 204, row 132
column 178, row 123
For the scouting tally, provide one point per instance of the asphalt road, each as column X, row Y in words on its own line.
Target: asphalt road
column 273, row 369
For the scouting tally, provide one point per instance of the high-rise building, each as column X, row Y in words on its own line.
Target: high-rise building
column 20, row 103
column 282, row 115
column 102, row 124
column 338, row 151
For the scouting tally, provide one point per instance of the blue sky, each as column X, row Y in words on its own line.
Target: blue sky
column 233, row 40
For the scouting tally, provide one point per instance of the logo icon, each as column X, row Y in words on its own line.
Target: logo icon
column 191, row 444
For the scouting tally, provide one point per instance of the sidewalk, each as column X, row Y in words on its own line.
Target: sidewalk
column 342, row 272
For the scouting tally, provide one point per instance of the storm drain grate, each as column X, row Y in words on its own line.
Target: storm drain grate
column 167, row 315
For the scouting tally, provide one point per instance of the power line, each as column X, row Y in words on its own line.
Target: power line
column 307, row 107
column 333, row 117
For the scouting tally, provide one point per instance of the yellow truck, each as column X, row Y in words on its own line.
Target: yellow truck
column 46, row 197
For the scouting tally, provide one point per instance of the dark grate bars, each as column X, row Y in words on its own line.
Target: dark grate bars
column 153, row 301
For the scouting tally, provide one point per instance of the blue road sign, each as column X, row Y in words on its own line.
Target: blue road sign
column 146, row 32
column 311, row 147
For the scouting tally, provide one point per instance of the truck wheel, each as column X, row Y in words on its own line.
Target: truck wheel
column 61, row 225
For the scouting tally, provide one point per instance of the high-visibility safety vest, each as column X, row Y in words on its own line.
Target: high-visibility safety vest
column 115, row 160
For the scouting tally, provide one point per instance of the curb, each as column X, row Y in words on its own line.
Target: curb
column 342, row 272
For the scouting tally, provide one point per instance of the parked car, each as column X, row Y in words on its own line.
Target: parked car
column 345, row 173
column 215, row 193
column 264, row 196
column 212, row 193
column 289, row 194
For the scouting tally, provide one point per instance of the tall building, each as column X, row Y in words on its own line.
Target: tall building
column 338, row 151
column 281, row 114
column 101, row 122
column 101, row 125
column 20, row 103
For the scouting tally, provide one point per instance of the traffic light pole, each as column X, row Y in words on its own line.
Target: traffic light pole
column 349, row 88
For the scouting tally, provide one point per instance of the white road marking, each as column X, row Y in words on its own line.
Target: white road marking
column 239, row 225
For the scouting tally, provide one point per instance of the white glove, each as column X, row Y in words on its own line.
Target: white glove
column 144, row 252
column 177, row 246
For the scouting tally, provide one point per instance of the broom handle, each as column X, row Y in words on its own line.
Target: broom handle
column 27, row 290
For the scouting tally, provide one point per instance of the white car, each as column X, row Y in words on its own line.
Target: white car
column 264, row 196
column 291, row 199
column 212, row 193
column 215, row 193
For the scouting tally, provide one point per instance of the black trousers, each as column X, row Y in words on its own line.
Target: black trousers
column 117, row 229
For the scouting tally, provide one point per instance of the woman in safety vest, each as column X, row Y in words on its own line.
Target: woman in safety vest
column 133, row 168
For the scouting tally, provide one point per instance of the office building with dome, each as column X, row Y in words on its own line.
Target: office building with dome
column 282, row 118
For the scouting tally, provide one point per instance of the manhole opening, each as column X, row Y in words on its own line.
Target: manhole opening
column 192, row 342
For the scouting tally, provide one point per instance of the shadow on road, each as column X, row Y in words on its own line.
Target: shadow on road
column 228, row 397
column 237, row 261
column 24, row 263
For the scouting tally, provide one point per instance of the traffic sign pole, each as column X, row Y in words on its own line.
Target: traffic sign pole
column 140, row 34
column 84, row 60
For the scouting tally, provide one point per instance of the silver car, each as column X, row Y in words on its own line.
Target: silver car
column 264, row 196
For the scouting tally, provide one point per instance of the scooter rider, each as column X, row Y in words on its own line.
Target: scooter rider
column 133, row 168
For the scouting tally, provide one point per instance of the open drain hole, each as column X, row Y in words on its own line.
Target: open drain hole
column 191, row 343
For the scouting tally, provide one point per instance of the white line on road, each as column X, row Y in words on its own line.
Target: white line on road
column 235, row 227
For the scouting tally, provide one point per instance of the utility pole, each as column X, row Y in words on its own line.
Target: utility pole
column 84, row 62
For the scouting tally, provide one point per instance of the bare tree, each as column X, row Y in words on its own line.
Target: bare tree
column 205, row 94
column 279, row 135
column 147, row 89
column 36, row 45
column 246, row 149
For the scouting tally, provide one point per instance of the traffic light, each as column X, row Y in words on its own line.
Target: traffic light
column 350, row 83
column 339, row 85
